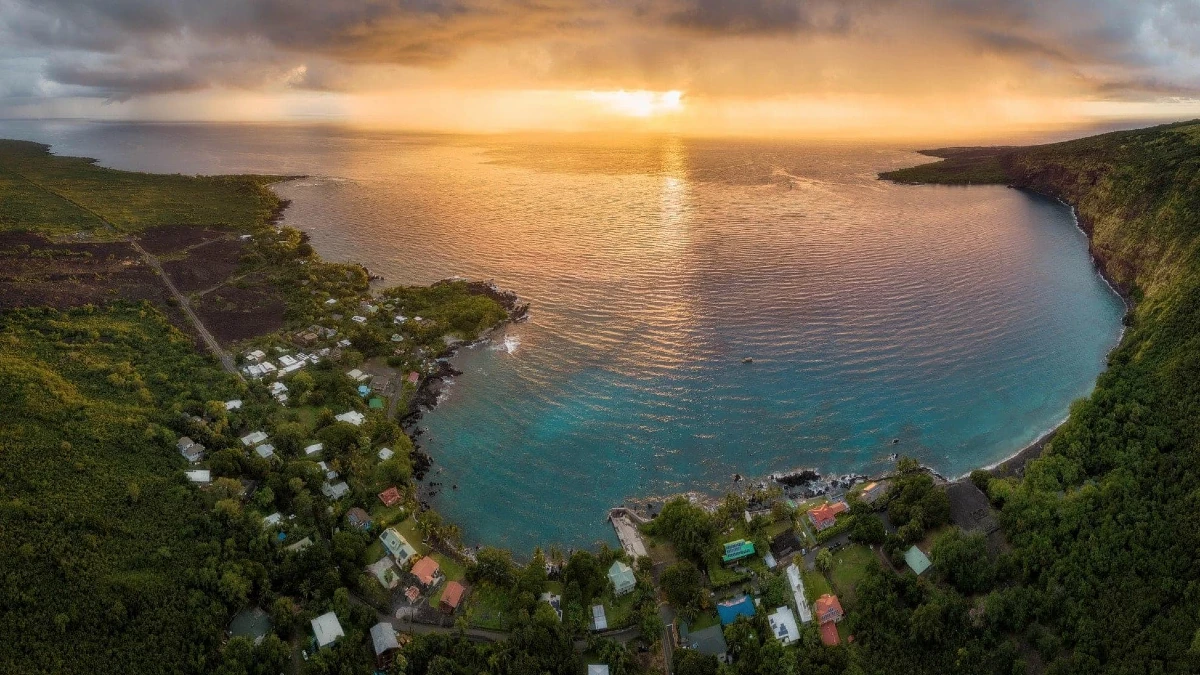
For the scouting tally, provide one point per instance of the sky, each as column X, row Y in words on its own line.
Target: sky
column 720, row 67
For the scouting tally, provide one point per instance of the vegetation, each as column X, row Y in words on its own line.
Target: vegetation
column 63, row 195
column 1103, row 526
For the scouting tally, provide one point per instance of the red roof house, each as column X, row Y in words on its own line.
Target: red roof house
column 452, row 596
column 414, row 377
column 825, row 515
column 829, row 634
column 829, row 609
column 390, row 496
column 426, row 571
column 413, row 594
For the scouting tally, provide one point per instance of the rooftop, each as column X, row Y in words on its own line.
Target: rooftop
column 736, row 550
column 426, row 570
column 730, row 610
column 383, row 638
column 327, row 629
column 916, row 560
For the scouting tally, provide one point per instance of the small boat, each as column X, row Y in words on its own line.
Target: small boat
column 747, row 360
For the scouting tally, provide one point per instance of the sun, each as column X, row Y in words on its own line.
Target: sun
column 638, row 103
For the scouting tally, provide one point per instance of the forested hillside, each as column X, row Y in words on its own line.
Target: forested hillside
column 1105, row 527
column 110, row 558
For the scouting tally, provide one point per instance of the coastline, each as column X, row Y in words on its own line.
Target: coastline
column 431, row 386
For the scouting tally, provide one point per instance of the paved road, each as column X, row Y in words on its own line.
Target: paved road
column 213, row 345
column 623, row 635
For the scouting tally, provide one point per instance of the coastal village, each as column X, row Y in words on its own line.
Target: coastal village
column 301, row 460
column 327, row 405
column 317, row 410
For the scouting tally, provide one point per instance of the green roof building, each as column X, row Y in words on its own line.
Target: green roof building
column 916, row 560
column 736, row 550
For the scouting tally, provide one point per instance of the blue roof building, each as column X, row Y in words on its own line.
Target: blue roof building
column 730, row 610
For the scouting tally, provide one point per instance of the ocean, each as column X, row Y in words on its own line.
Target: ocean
column 959, row 321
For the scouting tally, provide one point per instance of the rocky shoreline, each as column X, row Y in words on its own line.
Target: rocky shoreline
column 432, row 385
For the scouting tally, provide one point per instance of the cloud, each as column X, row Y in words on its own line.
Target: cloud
column 118, row 49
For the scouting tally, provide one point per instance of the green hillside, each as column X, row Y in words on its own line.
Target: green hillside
column 40, row 192
column 1105, row 527
column 107, row 548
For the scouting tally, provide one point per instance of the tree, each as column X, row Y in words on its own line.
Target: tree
column 688, row 527
column 963, row 560
column 493, row 565
column 868, row 529
column 684, row 586
column 824, row 560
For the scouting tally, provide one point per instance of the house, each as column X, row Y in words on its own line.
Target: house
column 916, row 560
column 390, row 496
column 253, row 624
column 234, row 404
column 314, row 448
column 300, row 545
column 414, row 377
column 597, row 669
column 872, row 492
column 327, row 629
column 797, row 584
column 191, row 450
column 353, row 417
column 829, row 609
column 375, row 403
column 385, row 454
column 730, row 610
column 358, row 518
column 336, row 490
column 279, row 391
column 413, row 594
column 383, row 641
column 621, row 577
column 358, row 319
column 599, row 620
column 829, row 634
column 385, row 572
column 254, row 438
column 709, row 640
column 452, row 597
column 785, row 544
column 199, row 476
column 736, row 550
column 783, row 625
column 330, row 302
column 363, row 390
column 397, row 546
column 770, row 561
column 272, row 520
column 256, row 356
column 825, row 516
column 427, row 571
column 266, row 451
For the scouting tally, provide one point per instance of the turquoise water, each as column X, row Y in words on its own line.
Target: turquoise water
column 962, row 321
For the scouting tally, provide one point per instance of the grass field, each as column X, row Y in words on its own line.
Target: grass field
column 849, row 568
column 52, row 195
column 815, row 585
column 487, row 607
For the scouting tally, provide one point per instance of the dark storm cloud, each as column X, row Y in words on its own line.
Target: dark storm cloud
column 122, row 48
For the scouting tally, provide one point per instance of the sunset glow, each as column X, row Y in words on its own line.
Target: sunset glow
column 927, row 68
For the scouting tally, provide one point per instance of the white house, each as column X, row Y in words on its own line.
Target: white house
column 234, row 404
column 266, row 451
column 335, row 491
column 272, row 520
column 621, row 577
column 353, row 417
column 314, row 448
column 793, row 575
column 599, row 620
column 254, row 438
column 199, row 476
column 327, row 629
column 783, row 625
column 385, row 453
column 191, row 450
